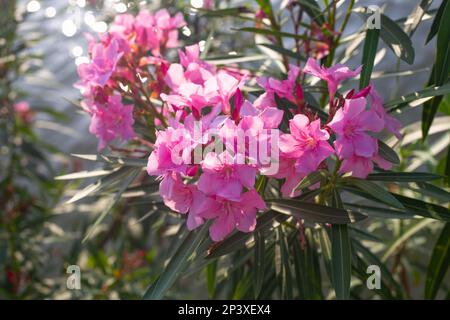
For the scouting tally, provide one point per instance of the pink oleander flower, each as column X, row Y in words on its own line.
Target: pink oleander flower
column 103, row 63
column 184, row 198
column 196, row 84
column 360, row 167
column 270, row 116
column 390, row 123
column 112, row 120
column 283, row 88
column 172, row 152
column 351, row 124
column 287, row 171
column 157, row 31
column 23, row 110
column 333, row 75
column 239, row 214
column 222, row 176
column 307, row 143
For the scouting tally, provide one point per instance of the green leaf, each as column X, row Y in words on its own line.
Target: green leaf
column 388, row 281
column 126, row 182
column 211, row 270
column 424, row 209
column 387, row 153
column 259, row 263
column 285, row 275
column 416, row 16
column 84, row 174
column 428, row 92
column 131, row 162
column 311, row 179
column 439, row 263
column 227, row 12
column 270, row 32
column 413, row 206
column 403, row 176
column 436, row 22
column 369, row 53
column 432, row 191
column 341, row 261
column 283, row 51
column 380, row 212
column 376, row 191
column 307, row 268
column 447, row 166
column 325, row 248
column 410, row 231
column 314, row 212
column 313, row 10
column 430, row 108
column 101, row 184
column 177, row 263
column 396, row 39
column 239, row 239
column 442, row 69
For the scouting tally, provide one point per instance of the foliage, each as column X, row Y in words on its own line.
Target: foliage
column 316, row 244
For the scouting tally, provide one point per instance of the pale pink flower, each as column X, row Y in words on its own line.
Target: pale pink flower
column 184, row 198
column 239, row 214
column 333, row 75
column 172, row 152
column 360, row 167
column 158, row 31
column 223, row 176
column 287, row 171
column 23, row 110
column 390, row 123
column 270, row 116
column 102, row 65
column 307, row 143
column 112, row 120
column 351, row 124
column 283, row 88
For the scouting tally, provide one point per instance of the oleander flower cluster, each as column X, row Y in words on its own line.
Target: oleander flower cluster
column 213, row 141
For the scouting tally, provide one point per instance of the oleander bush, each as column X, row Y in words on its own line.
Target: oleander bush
column 246, row 150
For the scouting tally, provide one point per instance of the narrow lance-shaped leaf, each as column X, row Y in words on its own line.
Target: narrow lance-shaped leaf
column 376, row 191
column 127, row 181
column 439, row 263
column 443, row 48
column 369, row 53
column 396, row 39
column 387, row 153
column 177, row 263
column 259, row 263
column 441, row 69
column 313, row 10
column 416, row 16
column 311, row 179
column 275, row 33
column 283, row 51
column 436, row 22
column 428, row 92
column 211, row 270
column 314, row 212
column 412, row 230
column 403, row 176
column 340, row 256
